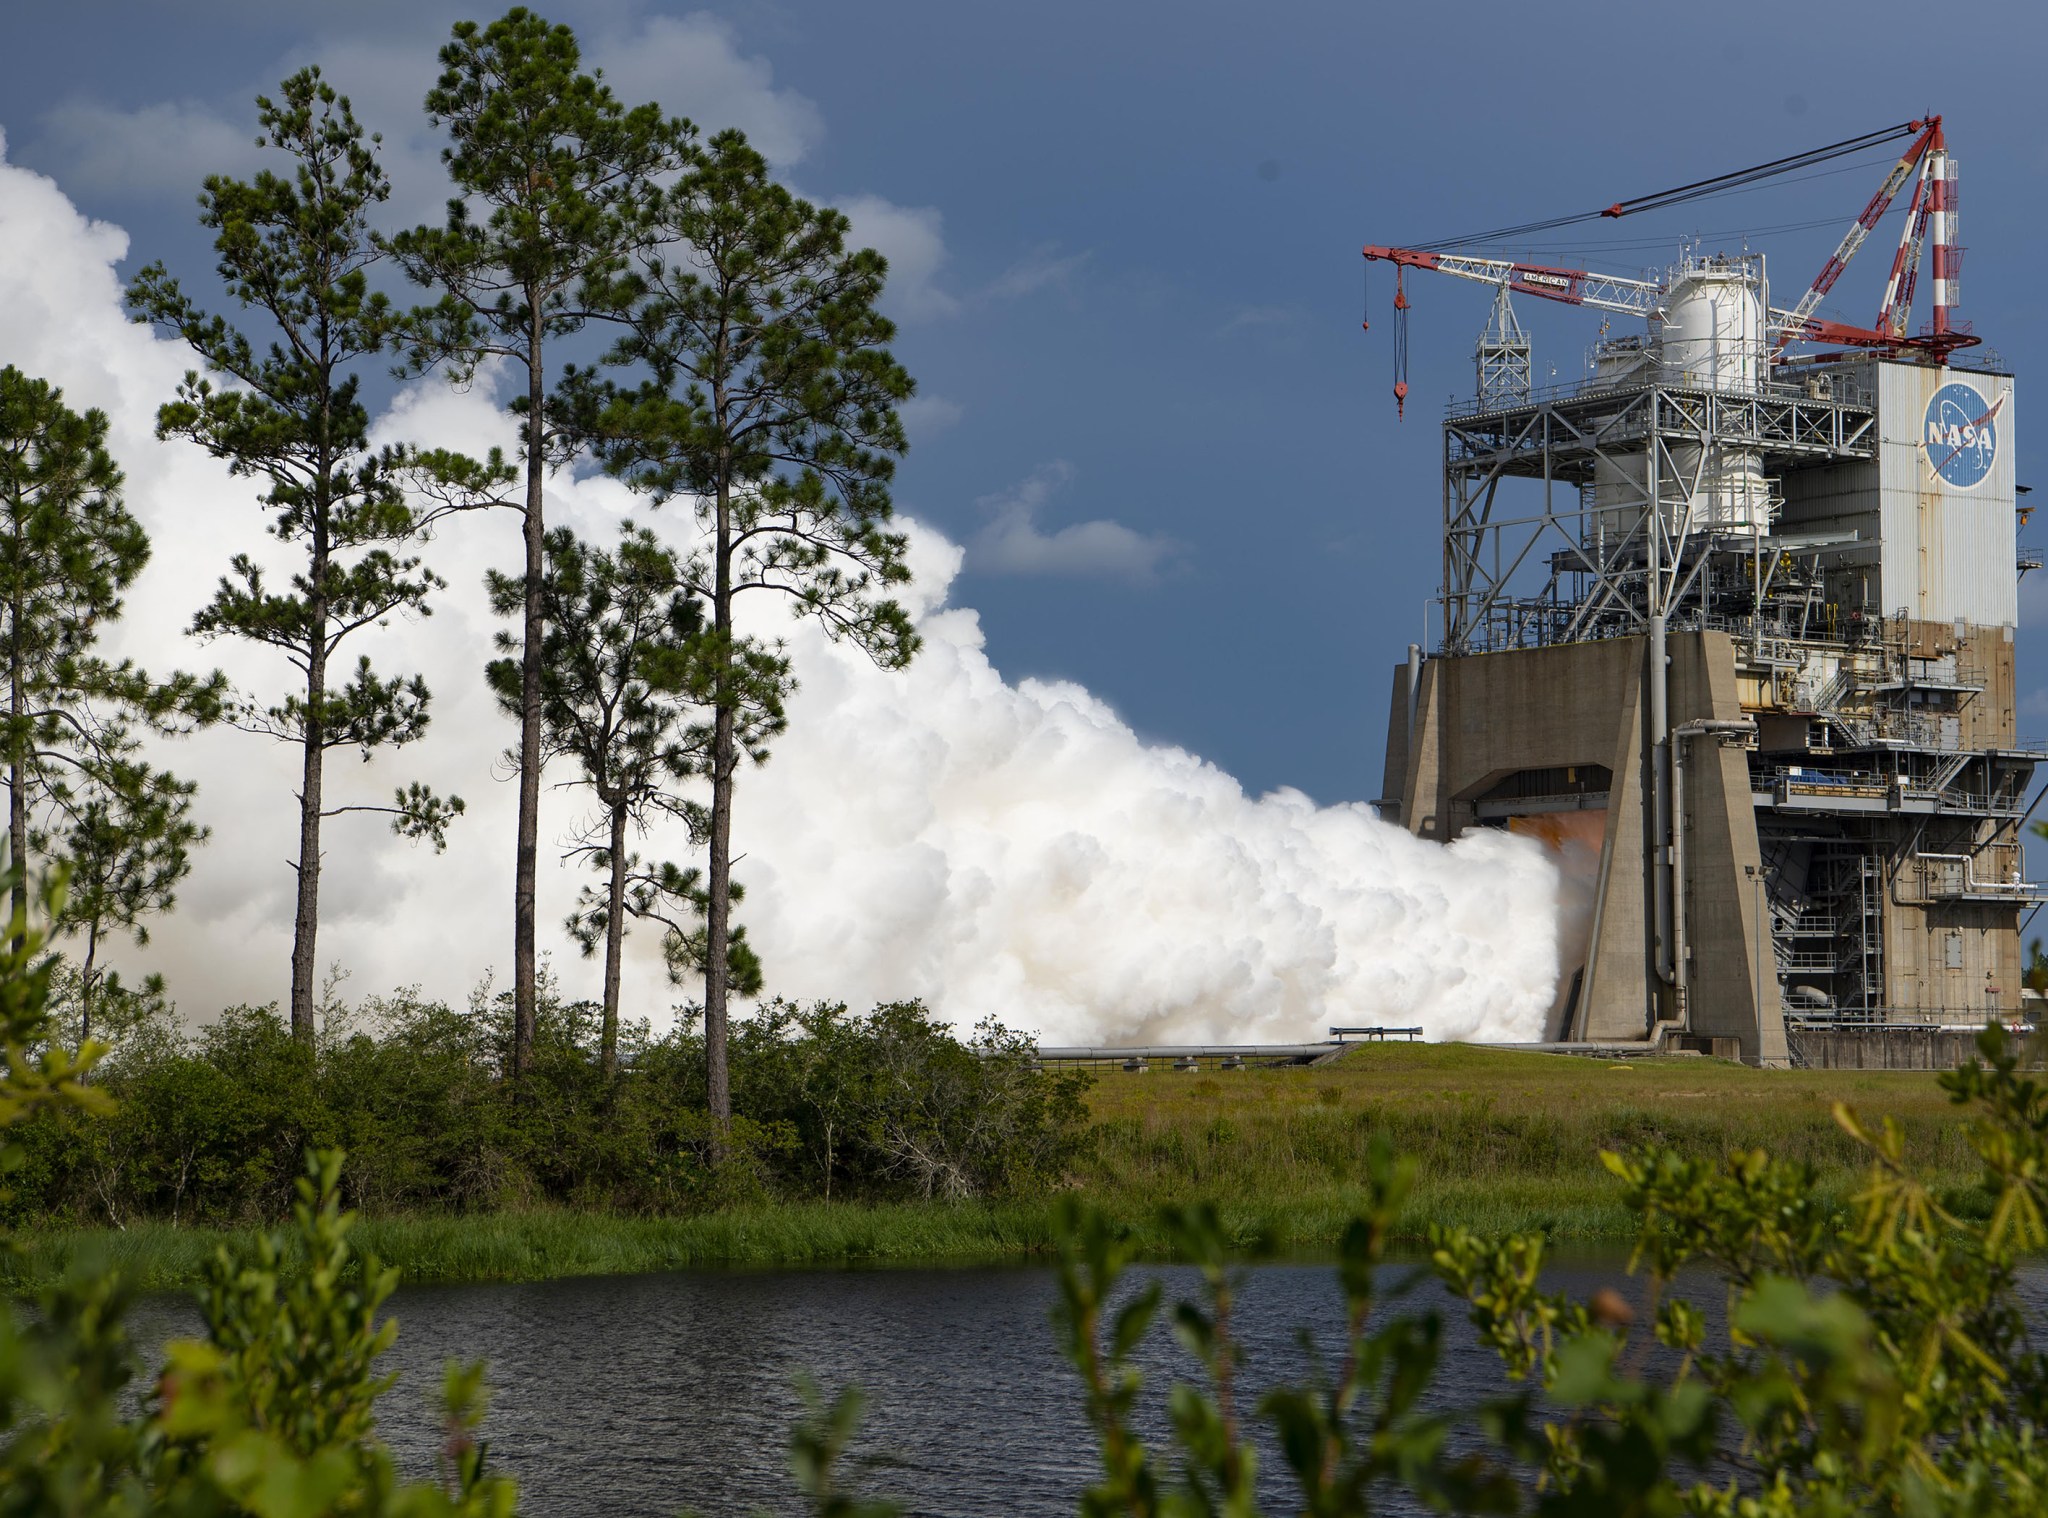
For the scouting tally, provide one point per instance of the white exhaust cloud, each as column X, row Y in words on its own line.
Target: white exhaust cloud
column 1008, row 851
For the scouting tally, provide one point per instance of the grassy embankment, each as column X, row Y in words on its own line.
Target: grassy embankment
column 1504, row 1142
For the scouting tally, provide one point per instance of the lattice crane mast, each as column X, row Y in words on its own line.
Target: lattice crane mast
column 1930, row 215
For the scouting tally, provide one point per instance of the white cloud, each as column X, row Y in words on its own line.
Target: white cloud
column 160, row 152
column 693, row 66
column 165, row 151
column 1041, row 269
column 1258, row 318
column 1012, row 542
column 997, row 849
column 913, row 239
column 926, row 416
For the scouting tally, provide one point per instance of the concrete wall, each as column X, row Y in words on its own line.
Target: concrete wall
column 1394, row 772
column 1953, row 956
column 1482, row 718
column 1861, row 1049
column 1721, row 928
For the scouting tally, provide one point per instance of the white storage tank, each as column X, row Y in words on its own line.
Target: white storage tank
column 1712, row 489
column 1713, row 328
column 1710, row 336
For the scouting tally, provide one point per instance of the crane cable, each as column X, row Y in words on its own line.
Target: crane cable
column 1699, row 189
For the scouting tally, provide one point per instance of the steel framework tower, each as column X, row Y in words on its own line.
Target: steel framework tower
column 1734, row 635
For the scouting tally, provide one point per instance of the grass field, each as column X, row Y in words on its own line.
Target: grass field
column 1503, row 1142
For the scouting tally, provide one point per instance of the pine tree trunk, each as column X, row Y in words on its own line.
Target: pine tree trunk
column 86, row 981
column 717, row 1079
column 614, row 945
column 17, row 778
column 526, row 865
column 312, row 784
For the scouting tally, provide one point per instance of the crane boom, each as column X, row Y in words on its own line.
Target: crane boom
column 1930, row 217
column 1641, row 297
column 1859, row 229
column 1898, row 289
column 1575, row 287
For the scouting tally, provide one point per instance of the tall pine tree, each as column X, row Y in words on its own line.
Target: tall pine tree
column 74, row 721
column 622, row 641
column 564, row 174
column 294, row 252
column 772, row 411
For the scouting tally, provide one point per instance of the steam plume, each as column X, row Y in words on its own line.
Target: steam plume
column 1000, row 850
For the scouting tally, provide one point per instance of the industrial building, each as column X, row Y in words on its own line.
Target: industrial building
column 1728, row 623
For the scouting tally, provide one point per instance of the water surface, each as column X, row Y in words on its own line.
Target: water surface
column 658, row 1394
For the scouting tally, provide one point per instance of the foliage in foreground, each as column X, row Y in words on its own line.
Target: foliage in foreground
column 271, row 1414
column 1874, row 1365
column 216, row 1129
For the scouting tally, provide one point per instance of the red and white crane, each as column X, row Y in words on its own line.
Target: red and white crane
column 1930, row 217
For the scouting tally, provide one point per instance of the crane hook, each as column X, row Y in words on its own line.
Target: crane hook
column 1400, row 345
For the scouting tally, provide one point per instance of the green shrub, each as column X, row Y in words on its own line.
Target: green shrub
column 272, row 1413
column 215, row 1129
column 1869, row 1360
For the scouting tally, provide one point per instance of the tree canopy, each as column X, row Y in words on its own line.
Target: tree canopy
column 769, row 408
column 565, row 175
column 72, row 731
column 294, row 251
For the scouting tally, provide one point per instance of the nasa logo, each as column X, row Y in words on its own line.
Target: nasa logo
column 1960, row 434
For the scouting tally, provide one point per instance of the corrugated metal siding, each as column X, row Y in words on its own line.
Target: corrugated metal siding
column 1948, row 552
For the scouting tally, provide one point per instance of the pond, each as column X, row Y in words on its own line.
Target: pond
column 659, row 1394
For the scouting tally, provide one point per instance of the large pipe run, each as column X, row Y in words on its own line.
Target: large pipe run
column 1660, row 802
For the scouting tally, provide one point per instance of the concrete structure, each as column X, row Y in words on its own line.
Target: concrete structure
column 1735, row 638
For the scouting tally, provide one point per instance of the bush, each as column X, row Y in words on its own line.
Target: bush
column 216, row 1128
column 1873, row 1362
column 893, row 1104
column 272, row 1413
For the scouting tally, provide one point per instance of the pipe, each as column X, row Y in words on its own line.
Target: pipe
column 2020, row 887
column 1660, row 801
column 1414, row 689
column 1681, row 735
column 1760, row 881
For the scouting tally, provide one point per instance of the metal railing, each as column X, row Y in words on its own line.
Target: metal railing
column 1904, row 1019
column 1841, row 390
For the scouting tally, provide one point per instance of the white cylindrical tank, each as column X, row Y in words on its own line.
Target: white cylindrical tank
column 1712, row 331
column 1724, row 488
column 1717, row 488
column 1710, row 336
column 1618, row 475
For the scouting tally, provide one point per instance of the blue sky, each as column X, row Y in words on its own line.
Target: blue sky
column 1127, row 246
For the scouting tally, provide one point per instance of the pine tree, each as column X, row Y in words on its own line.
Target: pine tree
column 621, row 640
column 564, row 172
column 125, row 846
column 772, row 410
column 74, row 722
column 294, row 251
